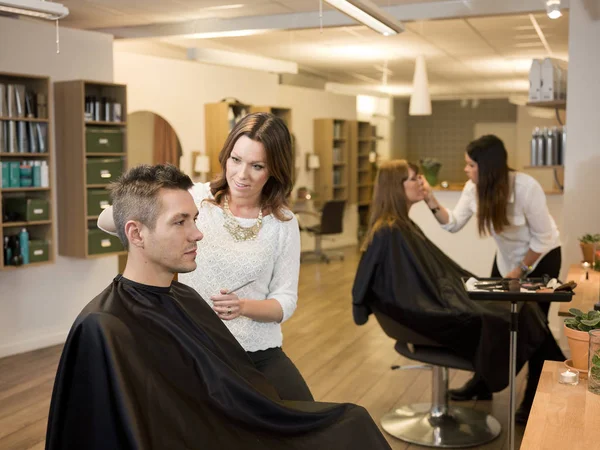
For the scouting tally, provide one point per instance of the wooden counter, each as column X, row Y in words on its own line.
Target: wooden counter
column 587, row 292
column 562, row 416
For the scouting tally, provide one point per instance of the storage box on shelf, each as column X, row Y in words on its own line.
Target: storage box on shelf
column 26, row 219
column 92, row 152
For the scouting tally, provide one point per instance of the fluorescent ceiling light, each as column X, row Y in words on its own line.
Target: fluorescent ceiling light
column 369, row 14
column 222, row 7
column 223, row 34
column 40, row 9
column 553, row 9
column 243, row 60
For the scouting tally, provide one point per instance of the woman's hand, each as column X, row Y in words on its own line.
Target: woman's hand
column 426, row 188
column 515, row 273
column 228, row 306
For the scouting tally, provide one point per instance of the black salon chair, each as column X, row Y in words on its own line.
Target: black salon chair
column 434, row 424
column 331, row 222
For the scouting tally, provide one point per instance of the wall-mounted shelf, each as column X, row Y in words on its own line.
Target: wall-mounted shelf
column 86, row 165
column 35, row 148
column 545, row 167
column 554, row 104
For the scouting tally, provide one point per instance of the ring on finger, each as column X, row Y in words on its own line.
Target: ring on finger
column 228, row 310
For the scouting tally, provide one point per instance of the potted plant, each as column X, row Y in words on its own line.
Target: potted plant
column 588, row 243
column 577, row 330
column 430, row 168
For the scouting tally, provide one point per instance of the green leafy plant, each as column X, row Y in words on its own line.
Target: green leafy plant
column 589, row 238
column 430, row 168
column 595, row 369
column 582, row 321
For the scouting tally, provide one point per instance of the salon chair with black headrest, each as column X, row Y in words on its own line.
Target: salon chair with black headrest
column 331, row 223
column 434, row 424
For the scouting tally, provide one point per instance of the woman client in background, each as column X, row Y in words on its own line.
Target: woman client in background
column 405, row 276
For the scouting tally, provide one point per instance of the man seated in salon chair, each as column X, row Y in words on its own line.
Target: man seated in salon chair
column 149, row 365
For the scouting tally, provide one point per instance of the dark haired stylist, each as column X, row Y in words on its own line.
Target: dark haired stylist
column 511, row 207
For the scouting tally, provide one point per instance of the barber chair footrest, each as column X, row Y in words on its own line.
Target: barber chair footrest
column 460, row 427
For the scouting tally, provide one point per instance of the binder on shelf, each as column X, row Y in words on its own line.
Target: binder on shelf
column 11, row 108
column 33, row 143
column 20, row 100
column 2, row 136
column 22, row 136
column 42, row 106
column 3, row 106
column 41, row 132
column 12, row 139
column 29, row 104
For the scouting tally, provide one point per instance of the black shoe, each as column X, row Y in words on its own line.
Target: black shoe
column 474, row 389
column 522, row 414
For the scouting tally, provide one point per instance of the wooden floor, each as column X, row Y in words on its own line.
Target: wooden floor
column 340, row 361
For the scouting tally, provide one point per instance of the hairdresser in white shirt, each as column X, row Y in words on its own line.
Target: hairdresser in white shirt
column 511, row 207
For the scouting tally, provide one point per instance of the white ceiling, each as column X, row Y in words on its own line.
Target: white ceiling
column 468, row 57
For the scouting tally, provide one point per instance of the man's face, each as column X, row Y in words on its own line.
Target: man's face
column 172, row 244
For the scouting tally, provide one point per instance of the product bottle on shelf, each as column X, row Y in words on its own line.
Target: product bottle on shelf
column 7, row 251
column 24, row 244
column 550, row 147
column 534, row 146
column 541, row 148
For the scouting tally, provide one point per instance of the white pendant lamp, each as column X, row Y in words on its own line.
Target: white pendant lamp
column 420, row 101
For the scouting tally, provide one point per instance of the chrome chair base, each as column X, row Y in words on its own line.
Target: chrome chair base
column 458, row 427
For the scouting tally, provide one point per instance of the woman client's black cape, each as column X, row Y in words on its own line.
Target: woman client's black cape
column 155, row 368
column 408, row 278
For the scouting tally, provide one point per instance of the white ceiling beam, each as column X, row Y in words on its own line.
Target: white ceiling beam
column 445, row 9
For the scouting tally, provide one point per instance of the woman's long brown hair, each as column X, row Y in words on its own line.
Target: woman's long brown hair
column 274, row 135
column 492, row 184
column 390, row 205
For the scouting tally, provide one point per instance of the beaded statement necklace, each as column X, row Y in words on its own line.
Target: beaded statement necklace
column 234, row 228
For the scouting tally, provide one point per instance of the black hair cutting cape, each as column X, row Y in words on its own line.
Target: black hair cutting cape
column 405, row 276
column 155, row 368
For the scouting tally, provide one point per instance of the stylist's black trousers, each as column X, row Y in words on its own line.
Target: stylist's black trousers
column 548, row 265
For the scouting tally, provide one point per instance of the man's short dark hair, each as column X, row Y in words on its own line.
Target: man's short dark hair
column 135, row 194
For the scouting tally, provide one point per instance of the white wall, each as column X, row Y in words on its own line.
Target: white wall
column 177, row 90
column 38, row 305
column 582, row 157
column 307, row 105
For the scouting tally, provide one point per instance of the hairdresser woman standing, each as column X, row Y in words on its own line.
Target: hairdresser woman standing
column 511, row 207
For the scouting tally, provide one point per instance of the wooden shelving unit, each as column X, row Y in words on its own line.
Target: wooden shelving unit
column 333, row 143
column 364, row 171
column 219, row 119
column 77, row 235
column 37, row 124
